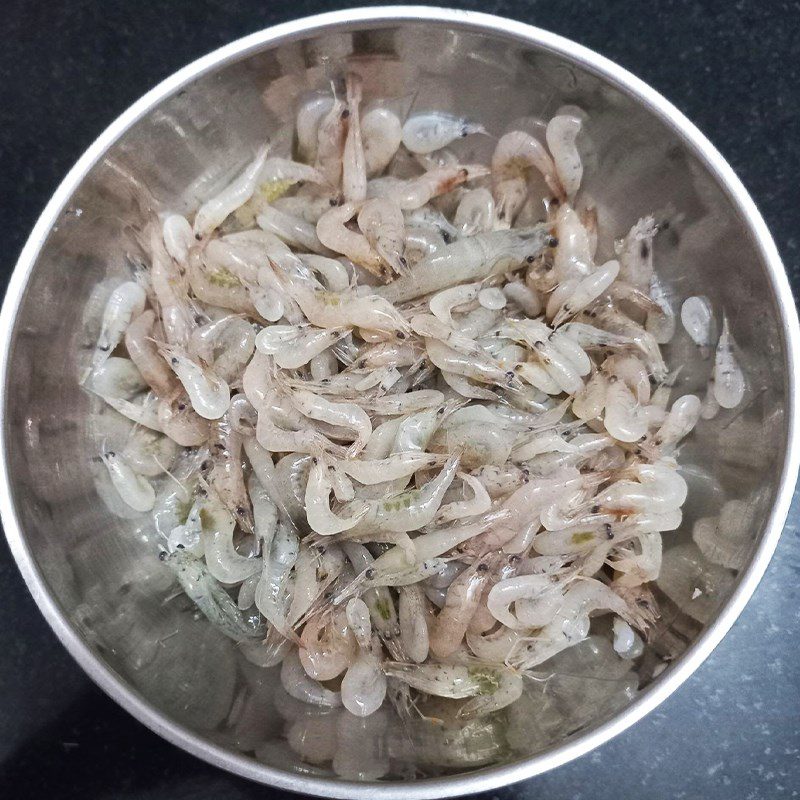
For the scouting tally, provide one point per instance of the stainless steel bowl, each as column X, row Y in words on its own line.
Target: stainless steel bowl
column 94, row 574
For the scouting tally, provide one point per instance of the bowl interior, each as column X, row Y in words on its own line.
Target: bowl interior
column 100, row 563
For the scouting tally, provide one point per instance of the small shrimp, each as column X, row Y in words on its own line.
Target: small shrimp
column 515, row 153
column 327, row 646
column 543, row 590
column 222, row 559
column 562, row 131
column 117, row 378
column 271, row 594
column 463, row 595
column 333, row 233
column 382, row 133
column 381, row 221
column 586, row 291
column 729, row 384
column 333, row 273
column 314, row 571
column 623, row 419
column 331, row 135
column 697, row 317
column 345, row 415
column 294, row 346
column 574, row 256
column 635, row 254
column 470, row 365
column 294, row 231
column 417, row 192
column 493, row 687
column 212, row 213
column 178, row 420
column 424, row 133
column 354, row 167
column 178, row 237
column 242, row 415
column 392, row 468
column 364, row 685
column 148, row 452
column 143, row 351
column 412, row 616
column 298, row 685
column 409, row 510
column 219, row 288
column 660, row 321
column 358, row 619
column 479, row 503
column 317, row 502
column 275, row 439
column 284, row 170
column 170, row 286
column 209, row 394
column 212, row 600
column 443, row 303
column 134, row 489
column 475, row 212
column 225, row 474
column 123, row 306
column 680, row 421
column 307, row 125
column 468, row 260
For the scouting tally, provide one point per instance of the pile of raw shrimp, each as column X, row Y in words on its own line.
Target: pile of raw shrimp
column 400, row 428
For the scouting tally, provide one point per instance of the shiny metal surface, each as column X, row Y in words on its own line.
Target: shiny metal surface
column 95, row 575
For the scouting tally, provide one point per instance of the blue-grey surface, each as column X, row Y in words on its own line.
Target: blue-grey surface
column 733, row 730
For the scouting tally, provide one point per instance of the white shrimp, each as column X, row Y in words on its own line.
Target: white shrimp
column 135, row 490
column 222, row 558
column 209, row 394
column 309, row 117
column 178, row 237
column 298, row 684
column 417, row 192
column 680, row 421
column 586, row 291
column 443, row 303
column 358, row 619
column 514, row 154
column 469, row 259
column 271, row 597
column 293, row 346
column 697, row 317
column 562, row 131
column 475, row 212
column 412, row 616
column 382, row 133
column 392, row 468
column 294, row 231
column 424, row 133
column 479, row 503
column 143, row 352
column 148, row 452
column 317, row 502
column 635, row 253
column 236, row 194
column 331, row 134
column 178, row 420
column 123, row 306
column 345, row 415
column 381, row 221
column 364, row 685
column 333, row 233
column 729, row 384
column 354, row 167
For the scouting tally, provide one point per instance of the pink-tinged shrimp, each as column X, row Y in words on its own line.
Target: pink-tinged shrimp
column 382, row 223
column 470, row 259
column 327, row 646
column 354, row 166
column 331, row 136
column 417, row 192
column 214, row 211
column 514, row 155
column 450, row 624
column 334, row 234
column 143, row 351
column 425, row 133
column 562, row 131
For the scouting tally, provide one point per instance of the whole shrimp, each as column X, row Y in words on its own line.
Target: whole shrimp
column 381, row 221
column 417, row 192
column 333, row 233
column 354, row 166
column 424, row 133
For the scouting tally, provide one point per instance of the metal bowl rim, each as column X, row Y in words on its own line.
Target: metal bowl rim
column 491, row 777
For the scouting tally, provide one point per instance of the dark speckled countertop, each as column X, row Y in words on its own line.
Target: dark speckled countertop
column 68, row 69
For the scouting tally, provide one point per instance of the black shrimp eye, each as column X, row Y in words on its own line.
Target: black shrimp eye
column 345, row 113
column 180, row 547
column 530, row 259
column 369, row 574
column 162, row 556
column 173, row 361
column 483, row 567
column 314, row 460
column 241, row 511
column 181, row 406
column 198, row 236
column 552, row 241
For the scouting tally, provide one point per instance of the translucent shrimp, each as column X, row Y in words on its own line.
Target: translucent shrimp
column 392, row 468
column 331, row 134
column 697, row 317
column 424, row 133
column 562, row 131
column 543, row 592
column 354, row 166
column 178, row 237
column 492, row 687
column 364, row 685
column 467, row 260
column 514, row 154
column 443, row 303
column 148, row 452
column 412, row 616
column 222, row 559
column 181, row 423
column 134, row 489
column 225, row 474
column 333, row 233
column 635, row 254
column 242, row 415
column 294, row 346
column 327, row 646
column 381, row 132
column 208, row 393
column 117, row 378
column 317, row 502
column 729, row 384
column 277, row 439
column 475, row 212
column 298, row 685
column 381, row 221
column 309, row 117
column 295, row 231
column 345, row 415
column 143, row 351
column 660, row 321
column 479, row 503
column 358, row 619
column 680, row 421
column 218, row 287
column 586, row 291
column 271, row 597
column 212, row 600
column 409, row 510
column 123, row 306
column 214, row 211
column 417, row 192
column 446, row 631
